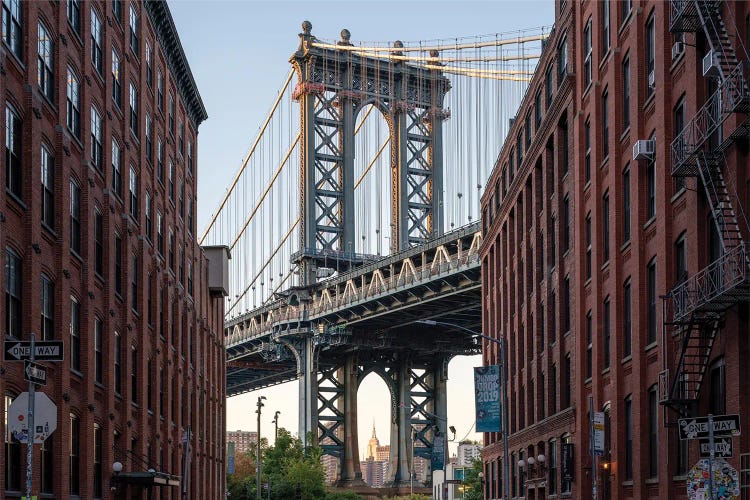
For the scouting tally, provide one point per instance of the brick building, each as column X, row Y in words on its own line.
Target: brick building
column 587, row 229
column 244, row 441
column 97, row 231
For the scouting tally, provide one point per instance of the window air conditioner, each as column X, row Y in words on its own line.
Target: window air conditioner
column 711, row 63
column 677, row 49
column 652, row 80
column 644, row 149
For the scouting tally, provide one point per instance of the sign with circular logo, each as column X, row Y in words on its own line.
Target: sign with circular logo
column 726, row 484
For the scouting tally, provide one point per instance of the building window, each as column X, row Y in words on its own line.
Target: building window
column 116, row 83
column 588, row 246
column 133, row 109
column 181, row 198
column 552, row 467
column 566, row 223
column 149, row 65
column 625, row 7
column 626, row 205
column 117, row 361
column 73, row 111
column 587, row 54
column 527, row 130
column 12, row 453
column 628, row 438
column 134, row 284
column 653, row 438
column 75, row 217
column 190, row 157
column 98, row 243
column 48, row 309
column 587, row 144
column 651, row 187
column 627, row 342
column 605, row 120
column 171, row 250
column 171, row 180
column 678, row 119
column 118, row 265
column 181, row 137
column 680, row 260
column 717, row 403
column 162, row 395
column 160, row 306
column 553, row 390
column 562, row 60
column 45, row 54
column 605, row 227
column 47, row 473
column 98, row 353
column 13, row 299
column 589, row 345
column 171, row 113
column 75, row 334
column 149, row 216
column 74, row 15
column 605, row 28
column 48, row 188
column 160, row 90
column 116, row 168
column 117, row 10
column 13, row 26
column 568, row 372
column 626, row 93
column 651, row 298
column 98, row 490
column 650, row 55
column 607, row 333
column 190, row 215
column 149, row 136
column 96, row 139
column 159, row 233
column 75, row 454
column 96, row 42
column 538, row 109
column 565, row 148
column 149, row 385
column 190, row 278
column 566, row 304
column 13, row 169
column 134, row 212
column 134, row 42
column 134, row 374
column 548, row 87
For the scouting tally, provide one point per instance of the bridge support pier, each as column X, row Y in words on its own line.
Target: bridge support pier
column 401, row 433
column 308, row 397
column 351, row 474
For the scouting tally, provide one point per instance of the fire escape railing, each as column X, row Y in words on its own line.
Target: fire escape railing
column 731, row 95
column 706, row 289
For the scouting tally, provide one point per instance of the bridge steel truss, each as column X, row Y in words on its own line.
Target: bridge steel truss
column 332, row 335
column 333, row 87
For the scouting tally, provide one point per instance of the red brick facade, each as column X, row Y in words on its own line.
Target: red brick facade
column 153, row 305
column 559, row 257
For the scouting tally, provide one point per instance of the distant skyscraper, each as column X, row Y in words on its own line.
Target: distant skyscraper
column 243, row 441
column 468, row 452
column 375, row 465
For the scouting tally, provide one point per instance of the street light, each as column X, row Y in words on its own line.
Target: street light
column 503, row 385
column 275, row 422
column 259, row 465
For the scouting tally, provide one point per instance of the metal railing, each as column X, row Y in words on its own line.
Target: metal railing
column 731, row 94
column 711, row 283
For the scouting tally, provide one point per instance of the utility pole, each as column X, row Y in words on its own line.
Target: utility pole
column 276, row 426
column 259, row 459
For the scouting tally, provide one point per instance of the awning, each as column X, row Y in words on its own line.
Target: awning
column 147, row 479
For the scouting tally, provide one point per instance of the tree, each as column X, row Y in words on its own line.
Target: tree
column 472, row 482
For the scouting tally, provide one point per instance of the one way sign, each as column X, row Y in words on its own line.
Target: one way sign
column 16, row 350
column 34, row 373
column 697, row 428
column 722, row 448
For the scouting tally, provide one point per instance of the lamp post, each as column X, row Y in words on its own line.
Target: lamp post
column 275, row 423
column 503, row 388
column 259, row 464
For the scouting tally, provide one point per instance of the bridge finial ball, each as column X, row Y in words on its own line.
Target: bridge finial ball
column 434, row 53
column 345, row 35
column 398, row 44
column 306, row 27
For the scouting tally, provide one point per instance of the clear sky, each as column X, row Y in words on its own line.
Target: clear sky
column 239, row 51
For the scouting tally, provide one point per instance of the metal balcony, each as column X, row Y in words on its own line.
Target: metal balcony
column 715, row 288
column 732, row 96
column 683, row 16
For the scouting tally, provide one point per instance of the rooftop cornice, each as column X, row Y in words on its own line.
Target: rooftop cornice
column 161, row 17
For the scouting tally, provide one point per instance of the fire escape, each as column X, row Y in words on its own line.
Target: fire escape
column 694, row 309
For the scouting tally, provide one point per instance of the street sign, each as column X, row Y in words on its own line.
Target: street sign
column 722, row 448
column 34, row 373
column 598, row 429
column 45, row 417
column 453, row 481
column 17, row 350
column 697, row 428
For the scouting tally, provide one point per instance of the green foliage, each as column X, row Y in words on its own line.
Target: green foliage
column 342, row 495
column 472, row 483
column 413, row 496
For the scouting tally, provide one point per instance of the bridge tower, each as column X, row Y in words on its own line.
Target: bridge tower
column 335, row 82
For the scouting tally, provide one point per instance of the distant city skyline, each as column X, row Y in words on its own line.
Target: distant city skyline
column 254, row 41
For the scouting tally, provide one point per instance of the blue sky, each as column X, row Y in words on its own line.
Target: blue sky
column 239, row 51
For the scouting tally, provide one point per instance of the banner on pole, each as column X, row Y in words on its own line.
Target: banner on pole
column 438, row 453
column 230, row 457
column 487, row 398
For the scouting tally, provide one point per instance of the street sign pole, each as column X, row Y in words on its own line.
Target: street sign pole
column 594, row 456
column 711, row 453
column 30, row 433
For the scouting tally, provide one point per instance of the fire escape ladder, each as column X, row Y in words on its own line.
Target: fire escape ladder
column 724, row 216
column 709, row 13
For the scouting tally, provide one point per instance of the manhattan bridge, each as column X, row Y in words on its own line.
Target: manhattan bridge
column 354, row 219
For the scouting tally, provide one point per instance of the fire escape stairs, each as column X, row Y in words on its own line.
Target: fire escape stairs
column 697, row 304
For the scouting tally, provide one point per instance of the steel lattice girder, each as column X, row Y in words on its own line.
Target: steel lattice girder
column 330, row 416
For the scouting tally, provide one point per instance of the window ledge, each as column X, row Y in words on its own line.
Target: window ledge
column 650, row 347
column 649, row 101
column 652, row 480
column 649, row 222
column 627, row 359
column 678, row 194
column 625, row 134
column 627, row 483
column 13, row 196
column 679, row 478
column 78, row 373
